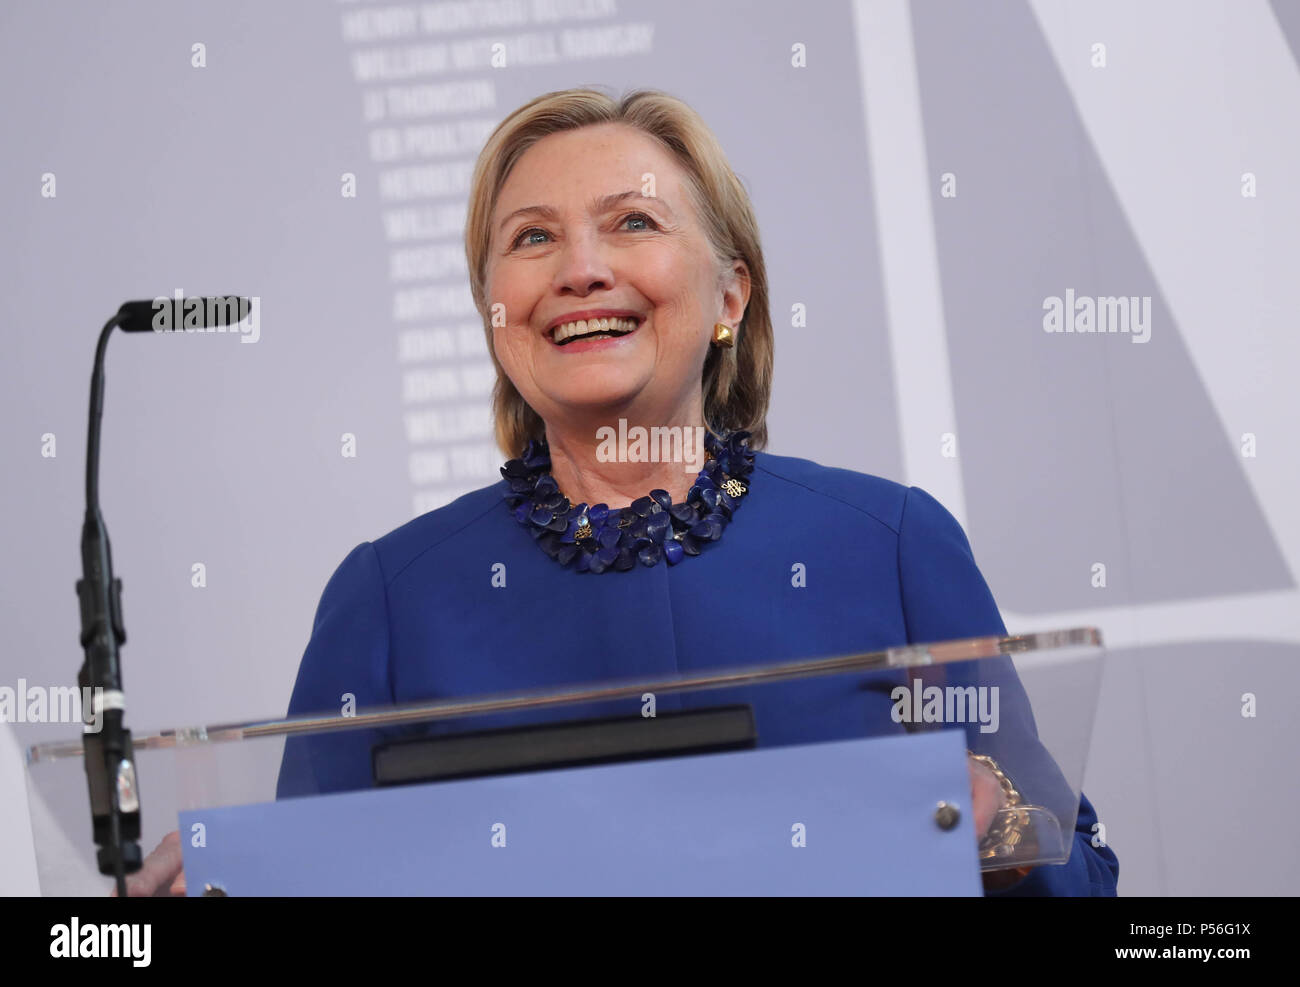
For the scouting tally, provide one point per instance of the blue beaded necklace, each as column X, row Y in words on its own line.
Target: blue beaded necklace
column 649, row 530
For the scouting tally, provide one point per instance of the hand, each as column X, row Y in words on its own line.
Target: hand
column 986, row 795
column 161, row 875
column 986, row 799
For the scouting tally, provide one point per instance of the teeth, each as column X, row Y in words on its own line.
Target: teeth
column 585, row 327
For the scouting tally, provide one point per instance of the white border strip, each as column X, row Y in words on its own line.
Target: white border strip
column 902, row 182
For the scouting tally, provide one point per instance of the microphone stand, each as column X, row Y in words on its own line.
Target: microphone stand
column 110, row 767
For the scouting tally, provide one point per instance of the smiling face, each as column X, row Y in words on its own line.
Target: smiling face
column 574, row 239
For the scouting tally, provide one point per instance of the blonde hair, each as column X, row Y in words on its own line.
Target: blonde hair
column 736, row 382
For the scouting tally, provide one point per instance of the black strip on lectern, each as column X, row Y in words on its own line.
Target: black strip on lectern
column 572, row 743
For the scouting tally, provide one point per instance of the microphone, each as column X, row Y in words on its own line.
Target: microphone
column 108, row 754
column 178, row 314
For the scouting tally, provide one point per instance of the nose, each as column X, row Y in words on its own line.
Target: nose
column 583, row 266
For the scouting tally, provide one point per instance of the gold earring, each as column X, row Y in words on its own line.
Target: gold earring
column 722, row 336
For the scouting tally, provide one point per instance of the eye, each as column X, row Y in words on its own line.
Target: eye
column 528, row 232
column 630, row 217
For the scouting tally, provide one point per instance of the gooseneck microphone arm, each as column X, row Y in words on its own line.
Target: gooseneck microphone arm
column 109, row 762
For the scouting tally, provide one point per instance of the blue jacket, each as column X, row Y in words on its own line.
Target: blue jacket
column 462, row 601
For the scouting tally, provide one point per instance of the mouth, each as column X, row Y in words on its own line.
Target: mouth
column 568, row 333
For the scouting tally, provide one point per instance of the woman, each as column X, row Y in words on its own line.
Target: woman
column 615, row 260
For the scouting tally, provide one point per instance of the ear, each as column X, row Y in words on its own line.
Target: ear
column 735, row 293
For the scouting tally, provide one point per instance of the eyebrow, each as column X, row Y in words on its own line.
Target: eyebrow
column 603, row 204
